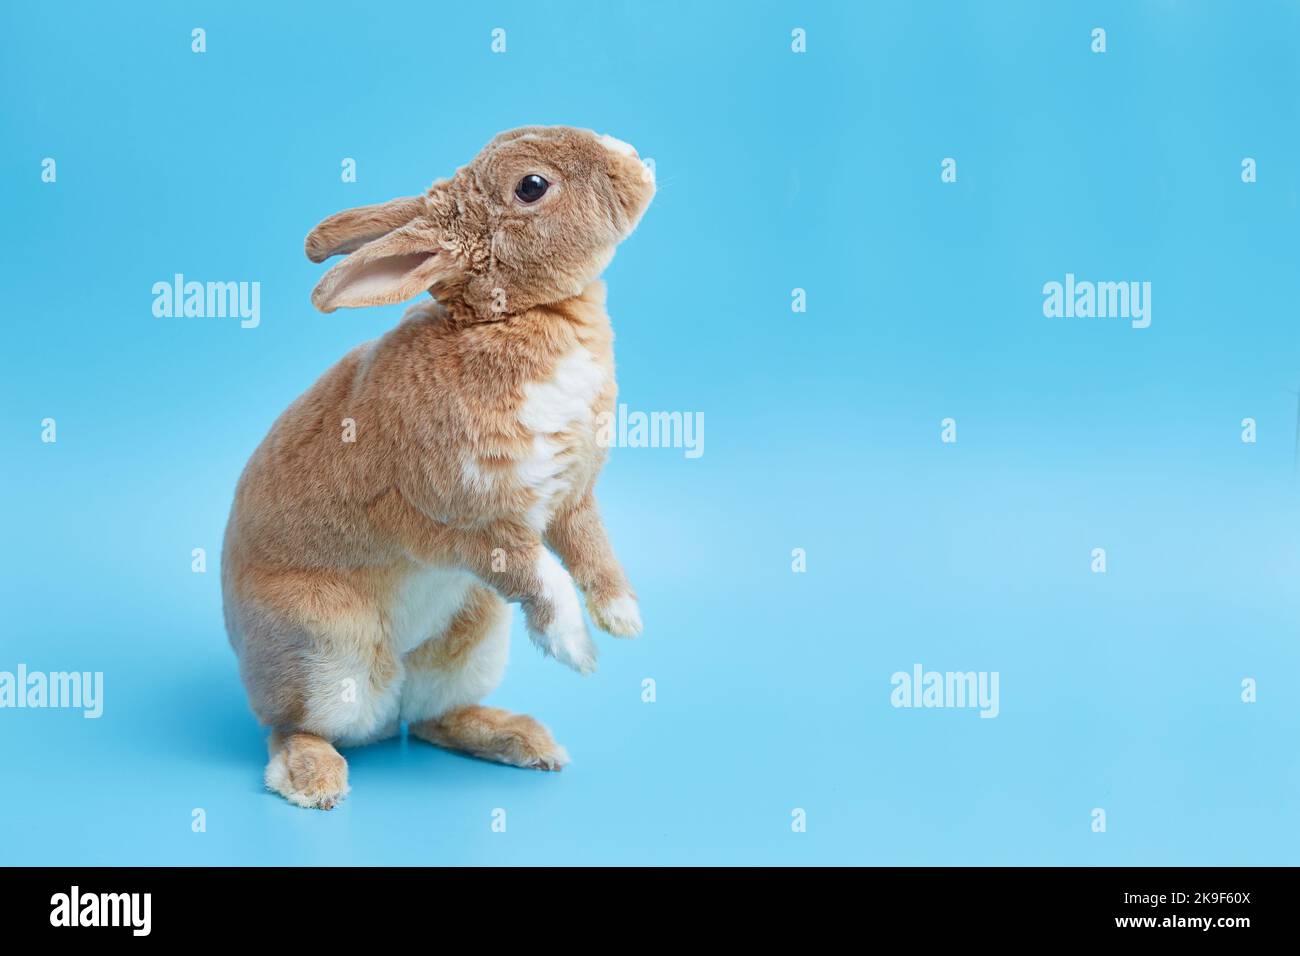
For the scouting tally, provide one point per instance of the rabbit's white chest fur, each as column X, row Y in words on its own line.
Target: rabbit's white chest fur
column 559, row 414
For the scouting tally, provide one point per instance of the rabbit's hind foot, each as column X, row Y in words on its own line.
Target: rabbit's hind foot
column 493, row 734
column 306, row 770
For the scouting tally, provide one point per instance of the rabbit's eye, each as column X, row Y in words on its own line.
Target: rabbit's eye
column 531, row 188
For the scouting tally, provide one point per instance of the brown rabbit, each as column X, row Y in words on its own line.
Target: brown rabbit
column 380, row 528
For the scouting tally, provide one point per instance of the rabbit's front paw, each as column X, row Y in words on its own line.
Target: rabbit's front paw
column 619, row 615
column 555, row 624
column 566, row 639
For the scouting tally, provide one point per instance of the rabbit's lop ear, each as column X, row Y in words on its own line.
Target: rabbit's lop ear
column 351, row 229
column 394, row 268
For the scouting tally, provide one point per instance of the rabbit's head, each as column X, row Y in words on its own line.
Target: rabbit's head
column 532, row 220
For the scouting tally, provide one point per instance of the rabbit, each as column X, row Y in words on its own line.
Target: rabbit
column 441, row 471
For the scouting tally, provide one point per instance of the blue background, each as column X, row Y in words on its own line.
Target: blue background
column 818, row 171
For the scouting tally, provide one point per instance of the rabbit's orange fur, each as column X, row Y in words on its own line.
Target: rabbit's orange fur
column 366, row 581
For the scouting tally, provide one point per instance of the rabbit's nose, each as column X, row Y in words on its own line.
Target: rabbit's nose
column 618, row 146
